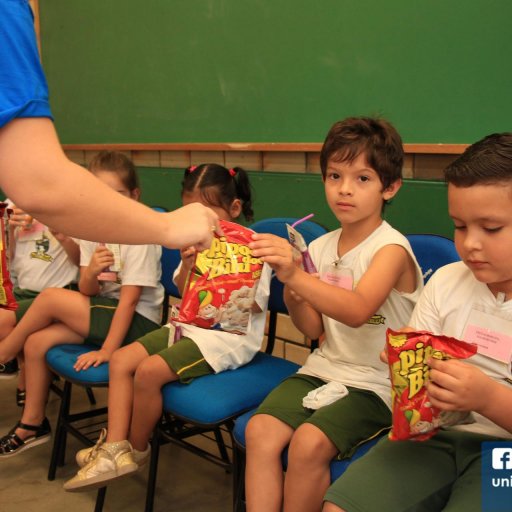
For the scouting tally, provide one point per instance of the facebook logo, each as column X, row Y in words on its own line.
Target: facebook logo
column 496, row 473
column 502, row 458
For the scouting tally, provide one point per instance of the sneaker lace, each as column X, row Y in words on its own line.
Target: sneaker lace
column 96, row 448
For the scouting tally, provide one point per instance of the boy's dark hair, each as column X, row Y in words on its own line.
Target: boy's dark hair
column 487, row 161
column 220, row 186
column 376, row 138
column 114, row 161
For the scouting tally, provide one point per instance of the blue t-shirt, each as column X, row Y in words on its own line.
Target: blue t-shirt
column 23, row 88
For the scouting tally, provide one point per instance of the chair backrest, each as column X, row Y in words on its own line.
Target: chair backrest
column 277, row 226
column 432, row 252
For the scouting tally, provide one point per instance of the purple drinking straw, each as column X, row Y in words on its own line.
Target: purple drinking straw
column 303, row 219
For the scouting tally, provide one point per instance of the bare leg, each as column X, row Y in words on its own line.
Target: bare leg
column 266, row 437
column 122, row 366
column 7, row 322
column 310, row 453
column 38, row 376
column 150, row 376
column 52, row 305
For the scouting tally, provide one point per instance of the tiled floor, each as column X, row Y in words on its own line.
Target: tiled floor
column 186, row 483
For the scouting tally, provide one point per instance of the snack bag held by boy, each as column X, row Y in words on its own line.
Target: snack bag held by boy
column 221, row 287
column 414, row 417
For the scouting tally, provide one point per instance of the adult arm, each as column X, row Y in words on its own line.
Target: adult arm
column 38, row 177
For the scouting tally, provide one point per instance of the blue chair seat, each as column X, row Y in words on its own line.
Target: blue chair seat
column 61, row 359
column 215, row 398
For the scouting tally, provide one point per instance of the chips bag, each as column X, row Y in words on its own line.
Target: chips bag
column 221, row 287
column 7, row 299
column 414, row 417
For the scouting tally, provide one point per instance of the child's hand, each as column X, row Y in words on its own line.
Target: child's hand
column 101, row 259
column 94, row 359
column 188, row 257
column 20, row 219
column 457, row 386
column 275, row 251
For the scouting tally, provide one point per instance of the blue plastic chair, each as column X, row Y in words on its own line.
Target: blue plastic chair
column 431, row 252
column 214, row 401
column 61, row 358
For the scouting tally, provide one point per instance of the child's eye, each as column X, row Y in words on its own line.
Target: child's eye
column 493, row 230
column 459, row 227
column 333, row 176
column 364, row 178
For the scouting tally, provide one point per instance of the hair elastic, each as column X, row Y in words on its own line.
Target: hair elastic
column 232, row 172
column 192, row 168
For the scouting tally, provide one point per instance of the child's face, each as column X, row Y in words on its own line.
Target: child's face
column 482, row 215
column 195, row 197
column 115, row 182
column 354, row 191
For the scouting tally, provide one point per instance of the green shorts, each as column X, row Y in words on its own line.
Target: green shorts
column 442, row 473
column 183, row 357
column 102, row 312
column 25, row 297
column 348, row 422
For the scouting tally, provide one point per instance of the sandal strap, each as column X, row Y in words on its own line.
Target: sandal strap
column 32, row 428
column 10, row 443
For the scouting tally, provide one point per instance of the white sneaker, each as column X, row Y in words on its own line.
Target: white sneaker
column 113, row 460
column 86, row 455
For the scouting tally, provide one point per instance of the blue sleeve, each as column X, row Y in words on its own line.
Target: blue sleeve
column 23, row 87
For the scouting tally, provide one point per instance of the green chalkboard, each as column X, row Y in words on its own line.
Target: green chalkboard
column 132, row 71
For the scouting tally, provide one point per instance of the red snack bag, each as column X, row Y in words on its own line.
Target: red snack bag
column 414, row 417
column 221, row 287
column 7, row 299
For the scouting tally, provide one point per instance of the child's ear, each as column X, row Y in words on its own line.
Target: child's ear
column 235, row 209
column 135, row 194
column 391, row 191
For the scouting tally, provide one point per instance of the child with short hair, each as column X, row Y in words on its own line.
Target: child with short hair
column 369, row 281
column 106, row 313
column 138, row 372
column 39, row 258
column 443, row 473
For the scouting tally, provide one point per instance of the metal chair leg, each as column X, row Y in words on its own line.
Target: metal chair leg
column 60, row 432
column 238, row 479
column 90, row 395
column 100, row 499
column 153, row 467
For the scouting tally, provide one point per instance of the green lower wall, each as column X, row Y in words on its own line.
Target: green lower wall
column 420, row 206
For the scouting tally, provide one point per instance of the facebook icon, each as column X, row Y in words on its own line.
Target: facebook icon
column 496, row 473
column 502, row 458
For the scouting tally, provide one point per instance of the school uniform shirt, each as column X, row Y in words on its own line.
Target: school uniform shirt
column 350, row 355
column 140, row 266
column 225, row 350
column 23, row 87
column 449, row 304
column 40, row 261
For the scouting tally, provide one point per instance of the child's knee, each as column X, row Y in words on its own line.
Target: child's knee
column 149, row 373
column 310, row 443
column 33, row 348
column 260, row 433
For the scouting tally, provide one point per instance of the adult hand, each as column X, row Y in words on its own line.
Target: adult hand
column 192, row 225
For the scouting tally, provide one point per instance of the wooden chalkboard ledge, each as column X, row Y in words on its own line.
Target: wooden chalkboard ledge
column 438, row 149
